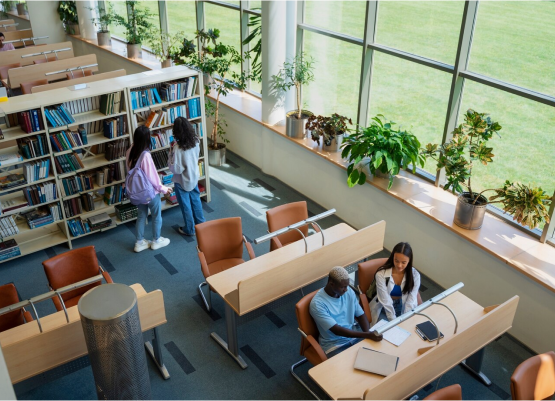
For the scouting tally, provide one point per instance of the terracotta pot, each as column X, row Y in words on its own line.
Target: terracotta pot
column 21, row 9
column 166, row 63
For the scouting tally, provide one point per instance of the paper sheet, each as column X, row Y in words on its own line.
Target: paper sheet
column 395, row 336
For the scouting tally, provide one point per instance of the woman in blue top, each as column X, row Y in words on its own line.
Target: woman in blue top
column 397, row 285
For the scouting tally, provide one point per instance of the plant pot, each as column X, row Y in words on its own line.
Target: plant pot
column 335, row 144
column 134, row 51
column 104, row 38
column 467, row 215
column 296, row 128
column 21, row 9
column 73, row 29
column 216, row 157
column 166, row 63
column 378, row 174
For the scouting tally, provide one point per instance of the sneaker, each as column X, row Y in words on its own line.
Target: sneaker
column 159, row 243
column 180, row 230
column 141, row 245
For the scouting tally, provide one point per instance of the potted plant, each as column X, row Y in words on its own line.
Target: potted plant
column 165, row 46
column 22, row 8
column 297, row 72
column 382, row 147
column 102, row 24
column 331, row 129
column 255, row 33
column 67, row 10
column 468, row 145
column 216, row 61
column 9, row 6
column 137, row 28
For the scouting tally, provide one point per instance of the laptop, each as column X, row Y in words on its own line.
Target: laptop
column 376, row 362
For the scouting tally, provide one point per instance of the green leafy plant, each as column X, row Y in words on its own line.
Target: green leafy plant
column 138, row 27
column 255, row 52
column 105, row 18
column 327, row 127
column 8, row 5
column 67, row 10
column 297, row 72
column 382, row 147
column 165, row 46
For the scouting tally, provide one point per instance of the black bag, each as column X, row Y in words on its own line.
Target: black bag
column 372, row 291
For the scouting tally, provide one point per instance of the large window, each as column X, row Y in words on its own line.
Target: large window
column 182, row 17
column 152, row 7
column 119, row 8
column 227, row 21
column 345, row 17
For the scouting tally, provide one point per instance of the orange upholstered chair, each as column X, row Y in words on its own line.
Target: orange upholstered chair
column 534, row 379
column 27, row 86
column 220, row 247
column 453, row 392
column 8, row 296
column 71, row 267
column 44, row 60
column 310, row 348
column 366, row 272
column 79, row 74
column 282, row 216
column 5, row 68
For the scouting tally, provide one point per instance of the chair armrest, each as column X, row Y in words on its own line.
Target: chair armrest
column 317, row 348
column 249, row 248
column 277, row 243
column 27, row 316
column 365, row 306
column 203, row 264
column 106, row 275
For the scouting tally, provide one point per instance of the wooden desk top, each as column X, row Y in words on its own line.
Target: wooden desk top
column 339, row 379
column 227, row 281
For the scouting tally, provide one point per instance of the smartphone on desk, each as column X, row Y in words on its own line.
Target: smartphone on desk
column 427, row 331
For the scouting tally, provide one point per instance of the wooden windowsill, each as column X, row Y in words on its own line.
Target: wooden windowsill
column 514, row 247
column 25, row 17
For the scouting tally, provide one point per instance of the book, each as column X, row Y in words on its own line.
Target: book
column 8, row 205
column 12, row 180
column 10, row 158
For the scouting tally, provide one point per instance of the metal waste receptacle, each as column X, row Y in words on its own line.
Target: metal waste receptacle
column 110, row 319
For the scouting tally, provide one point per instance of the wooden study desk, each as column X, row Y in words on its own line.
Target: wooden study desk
column 255, row 283
column 420, row 362
column 28, row 352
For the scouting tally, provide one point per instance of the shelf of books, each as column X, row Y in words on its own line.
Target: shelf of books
column 62, row 155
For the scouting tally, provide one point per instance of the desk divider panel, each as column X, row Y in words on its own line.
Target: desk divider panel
column 14, row 56
column 439, row 359
column 20, row 34
column 7, row 22
column 77, row 81
column 35, row 72
column 314, row 265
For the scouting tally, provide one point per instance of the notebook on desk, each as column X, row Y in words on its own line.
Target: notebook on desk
column 376, row 362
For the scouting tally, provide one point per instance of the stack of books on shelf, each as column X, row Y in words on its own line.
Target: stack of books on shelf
column 41, row 216
column 99, row 221
column 58, row 116
column 9, row 249
column 33, row 146
column 11, row 181
column 87, row 202
column 8, row 159
column 115, row 127
column 161, row 139
column 188, row 109
column 171, row 198
column 144, row 97
column 8, row 227
column 66, row 140
column 68, row 162
column 36, row 171
column 201, row 168
column 166, row 178
column 73, row 207
column 82, row 105
column 155, row 119
column 76, row 184
column 201, row 189
column 114, row 194
column 41, row 193
column 161, row 159
column 29, row 121
column 125, row 212
column 9, row 205
column 110, row 173
column 116, row 150
column 78, row 227
column 110, row 103
column 176, row 90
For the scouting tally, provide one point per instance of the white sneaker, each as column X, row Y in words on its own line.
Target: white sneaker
column 141, row 245
column 159, row 243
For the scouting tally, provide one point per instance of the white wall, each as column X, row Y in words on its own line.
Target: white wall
column 45, row 21
column 440, row 254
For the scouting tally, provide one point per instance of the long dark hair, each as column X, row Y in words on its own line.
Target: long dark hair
column 184, row 134
column 141, row 142
column 405, row 249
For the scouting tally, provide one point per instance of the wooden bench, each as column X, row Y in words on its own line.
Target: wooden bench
column 14, row 56
column 76, row 81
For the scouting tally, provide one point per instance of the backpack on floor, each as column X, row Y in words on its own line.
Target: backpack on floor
column 139, row 189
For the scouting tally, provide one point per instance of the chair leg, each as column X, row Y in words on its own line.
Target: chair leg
column 299, row 379
column 207, row 302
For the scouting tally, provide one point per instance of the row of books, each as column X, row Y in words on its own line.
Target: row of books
column 201, row 168
column 161, row 139
column 178, row 89
column 116, row 150
column 36, row 171
column 161, row 158
column 155, row 119
column 9, row 159
column 188, row 109
column 58, row 116
column 144, row 97
column 43, row 216
column 201, row 189
column 115, row 127
column 74, row 207
column 165, row 177
column 110, row 103
column 108, row 174
column 36, row 194
column 79, row 183
column 127, row 211
column 33, row 146
column 9, row 205
column 87, row 201
column 78, row 227
column 9, row 249
column 68, row 162
column 68, row 140
column 11, row 181
column 82, row 105
column 30, row 121
column 97, row 222
column 114, row 194
column 171, row 198
column 8, row 227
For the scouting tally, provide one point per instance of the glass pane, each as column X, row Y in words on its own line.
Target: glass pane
column 513, row 41
column 413, row 96
column 152, row 6
column 255, row 4
column 426, row 28
column 182, row 17
column 525, row 150
column 336, row 76
column 119, row 8
column 227, row 21
column 340, row 16
column 255, row 86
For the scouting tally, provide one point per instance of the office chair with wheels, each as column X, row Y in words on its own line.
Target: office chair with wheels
column 283, row 216
column 453, row 392
column 220, row 247
column 71, row 267
column 534, row 379
column 27, row 86
column 8, row 296
column 310, row 348
column 79, row 74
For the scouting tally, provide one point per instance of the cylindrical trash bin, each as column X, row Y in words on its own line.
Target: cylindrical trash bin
column 110, row 319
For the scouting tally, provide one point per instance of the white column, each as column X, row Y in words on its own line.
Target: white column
column 291, row 48
column 85, row 15
column 274, row 16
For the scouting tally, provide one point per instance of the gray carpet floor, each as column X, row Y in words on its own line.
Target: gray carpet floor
column 268, row 338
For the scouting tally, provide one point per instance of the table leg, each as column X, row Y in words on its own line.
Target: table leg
column 474, row 365
column 155, row 351
column 231, row 345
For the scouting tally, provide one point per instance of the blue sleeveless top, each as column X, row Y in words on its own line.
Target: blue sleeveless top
column 396, row 291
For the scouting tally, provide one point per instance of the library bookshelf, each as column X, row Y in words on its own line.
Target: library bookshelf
column 105, row 111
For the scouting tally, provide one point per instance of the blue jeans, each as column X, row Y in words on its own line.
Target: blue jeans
column 352, row 342
column 397, row 305
column 155, row 207
column 191, row 207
